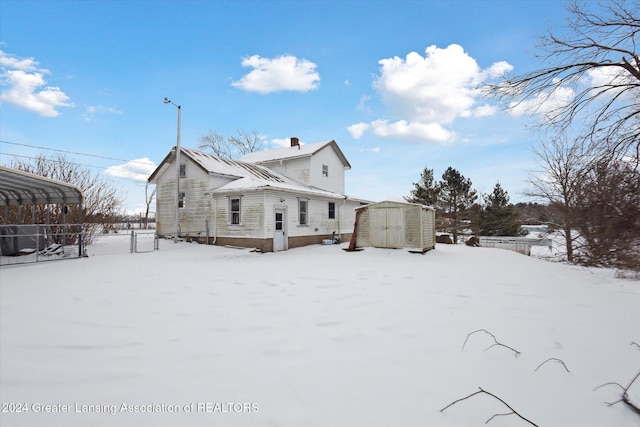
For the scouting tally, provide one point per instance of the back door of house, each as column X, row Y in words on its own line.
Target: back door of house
column 280, row 238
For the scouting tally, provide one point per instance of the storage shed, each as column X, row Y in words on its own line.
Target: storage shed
column 395, row 224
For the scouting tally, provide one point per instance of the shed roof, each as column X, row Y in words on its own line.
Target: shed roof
column 294, row 152
column 22, row 188
column 397, row 203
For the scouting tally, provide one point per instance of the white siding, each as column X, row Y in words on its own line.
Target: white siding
column 335, row 181
column 296, row 169
column 251, row 215
column 192, row 217
column 318, row 222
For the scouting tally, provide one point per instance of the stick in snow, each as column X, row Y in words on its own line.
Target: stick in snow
column 513, row 411
column 554, row 360
column 496, row 342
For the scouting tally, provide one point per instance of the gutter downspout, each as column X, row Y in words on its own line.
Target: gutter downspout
column 264, row 215
column 215, row 220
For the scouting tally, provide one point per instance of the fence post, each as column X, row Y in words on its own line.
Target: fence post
column 132, row 238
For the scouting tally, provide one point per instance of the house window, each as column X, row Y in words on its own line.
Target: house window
column 181, row 199
column 302, row 210
column 325, row 170
column 234, row 211
column 332, row 210
column 183, row 170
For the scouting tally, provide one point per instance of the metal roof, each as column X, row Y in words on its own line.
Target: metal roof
column 22, row 188
column 297, row 151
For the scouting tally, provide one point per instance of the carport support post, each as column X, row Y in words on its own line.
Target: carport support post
column 81, row 232
column 64, row 224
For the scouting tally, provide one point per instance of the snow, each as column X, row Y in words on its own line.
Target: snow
column 314, row 336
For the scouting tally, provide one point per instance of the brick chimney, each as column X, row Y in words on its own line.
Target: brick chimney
column 295, row 142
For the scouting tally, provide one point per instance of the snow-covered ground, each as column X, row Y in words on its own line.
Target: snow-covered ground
column 195, row 335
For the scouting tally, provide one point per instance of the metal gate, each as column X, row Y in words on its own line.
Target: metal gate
column 144, row 241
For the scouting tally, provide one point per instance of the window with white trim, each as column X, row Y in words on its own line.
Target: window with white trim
column 325, row 170
column 183, row 170
column 234, row 210
column 332, row 210
column 181, row 199
column 303, row 216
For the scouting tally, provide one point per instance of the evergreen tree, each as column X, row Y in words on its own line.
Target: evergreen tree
column 455, row 197
column 499, row 218
column 425, row 191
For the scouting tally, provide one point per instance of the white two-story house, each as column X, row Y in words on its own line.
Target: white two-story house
column 271, row 200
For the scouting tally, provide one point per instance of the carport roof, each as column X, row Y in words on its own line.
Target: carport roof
column 22, row 188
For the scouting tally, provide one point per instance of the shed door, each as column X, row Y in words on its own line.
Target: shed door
column 387, row 227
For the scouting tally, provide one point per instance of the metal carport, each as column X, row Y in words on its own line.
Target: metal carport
column 18, row 188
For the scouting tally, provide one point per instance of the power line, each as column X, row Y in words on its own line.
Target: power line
column 71, row 163
column 72, row 152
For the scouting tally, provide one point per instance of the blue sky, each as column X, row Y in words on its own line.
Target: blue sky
column 393, row 82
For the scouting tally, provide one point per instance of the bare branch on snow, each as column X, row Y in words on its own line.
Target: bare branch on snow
column 625, row 394
column 513, row 411
column 552, row 359
column 496, row 342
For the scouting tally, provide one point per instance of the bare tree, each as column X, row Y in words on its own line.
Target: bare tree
column 608, row 214
column 102, row 202
column 594, row 202
column 592, row 79
column 148, row 200
column 562, row 165
column 233, row 146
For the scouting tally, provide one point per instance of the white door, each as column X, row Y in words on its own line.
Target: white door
column 387, row 228
column 280, row 237
column 378, row 224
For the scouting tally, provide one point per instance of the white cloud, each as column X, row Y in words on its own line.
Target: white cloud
column 358, row 129
column 412, row 130
column 362, row 105
column 92, row 110
column 374, row 150
column 25, row 64
column 281, row 142
column 604, row 76
column 426, row 93
column 24, row 86
column 284, row 73
column 135, row 170
column 484, row 110
column 543, row 103
column 498, row 69
column 549, row 102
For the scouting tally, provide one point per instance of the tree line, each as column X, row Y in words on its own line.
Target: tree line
column 461, row 210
